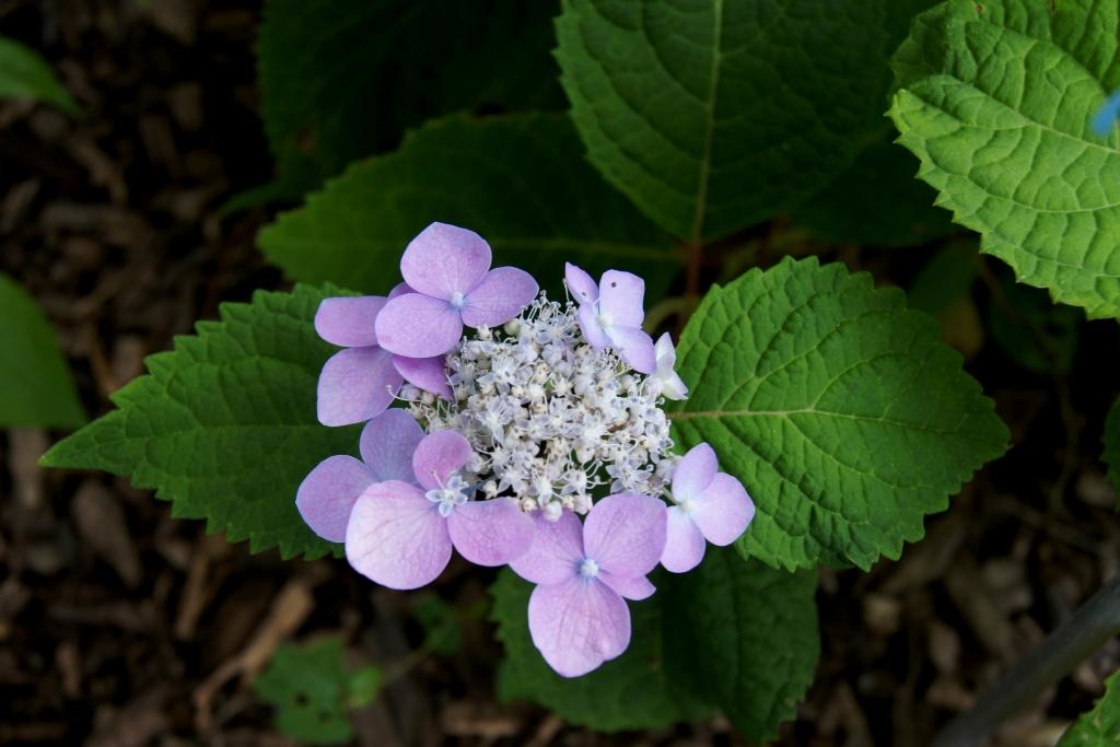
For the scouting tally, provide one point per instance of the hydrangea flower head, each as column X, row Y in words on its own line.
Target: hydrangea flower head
column 611, row 314
column 710, row 506
column 448, row 270
column 509, row 434
column 400, row 534
column 577, row 615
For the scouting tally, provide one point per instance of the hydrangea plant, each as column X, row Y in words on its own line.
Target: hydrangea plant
column 546, row 412
column 658, row 511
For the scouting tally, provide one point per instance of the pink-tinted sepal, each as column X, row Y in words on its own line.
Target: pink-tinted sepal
column 625, row 533
column 396, row 536
column 578, row 624
column 387, row 444
column 557, row 548
column 355, row 385
column 349, row 321
column 684, row 542
column 327, row 495
column 492, row 532
column 499, row 297
column 418, row 326
column 444, row 259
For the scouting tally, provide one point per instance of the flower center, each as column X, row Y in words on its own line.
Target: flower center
column 686, row 506
column 588, row 568
column 449, row 495
column 457, row 300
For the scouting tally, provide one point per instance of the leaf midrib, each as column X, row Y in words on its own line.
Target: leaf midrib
column 709, row 128
column 786, row 414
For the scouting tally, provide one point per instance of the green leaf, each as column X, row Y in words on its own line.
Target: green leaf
column 35, row 384
column 343, row 79
column 712, row 116
column 518, row 181
column 744, row 637
column 24, row 74
column 308, row 686
column 841, row 411
column 1111, row 455
column 876, row 201
column 1099, row 727
column 630, row 692
column 996, row 99
column 225, row 426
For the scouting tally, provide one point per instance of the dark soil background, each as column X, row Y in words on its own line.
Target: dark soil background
column 120, row 626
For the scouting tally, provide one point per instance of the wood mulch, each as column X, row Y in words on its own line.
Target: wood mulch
column 122, row 626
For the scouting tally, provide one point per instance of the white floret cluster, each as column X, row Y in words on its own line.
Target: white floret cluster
column 550, row 418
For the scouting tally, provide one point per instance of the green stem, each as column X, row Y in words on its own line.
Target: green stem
column 1091, row 627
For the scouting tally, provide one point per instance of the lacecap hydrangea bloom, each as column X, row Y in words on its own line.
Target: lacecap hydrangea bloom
column 527, row 432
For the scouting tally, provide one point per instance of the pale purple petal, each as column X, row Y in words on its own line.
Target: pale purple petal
column 684, row 543
column 580, row 284
column 592, row 330
column 723, row 511
column 672, row 386
column 578, row 624
column 556, row 551
column 327, row 494
column 355, row 385
column 396, row 536
column 443, row 260
column 694, row 472
column 625, row 533
column 501, row 296
column 429, row 374
column 439, row 455
column 666, row 353
column 349, row 322
column 628, row 587
column 387, row 444
column 635, row 347
column 418, row 326
column 492, row 532
column 621, row 297
column 400, row 289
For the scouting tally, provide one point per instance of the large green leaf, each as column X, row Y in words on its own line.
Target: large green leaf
column 342, row 79
column 519, row 181
column 225, row 425
column 35, row 384
column 845, row 416
column 713, row 115
column 630, row 692
column 24, row 74
column 1099, row 727
column 996, row 99
column 743, row 637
